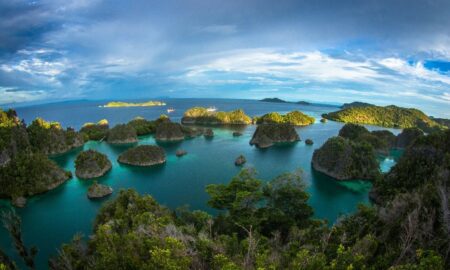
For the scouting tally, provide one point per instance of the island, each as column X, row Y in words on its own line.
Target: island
column 91, row 164
column 122, row 134
column 143, row 155
column 273, row 100
column 442, row 121
column 381, row 140
column 204, row 116
column 117, row 104
column 295, row 118
column 25, row 169
column 97, row 191
column 95, row 131
column 170, row 132
column 407, row 137
column 344, row 159
column 355, row 104
column 50, row 138
column 389, row 116
column 267, row 135
column 240, row 160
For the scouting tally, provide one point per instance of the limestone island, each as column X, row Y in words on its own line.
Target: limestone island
column 267, row 135
column 143, row 155
column 91, row 164
column 97, row 191
column 95, row 131
column 117, row 104
column 122, row 134
column 172, row 132
column 295, row 118
column 25, row 169
column 240, row 160
column 204, row 116
column 389, row 116
column 344, row 159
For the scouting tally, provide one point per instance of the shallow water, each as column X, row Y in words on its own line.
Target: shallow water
column 53, row 218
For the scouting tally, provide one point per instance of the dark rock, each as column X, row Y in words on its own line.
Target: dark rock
column 143, row 155
column 267, row 135
column 180, row 153
column 91, row 164
column 19, row 202
column 240, row 160
column 97, row 191
column 237, row 134
column 323, row 120
column 309, row 142
column 209, row 133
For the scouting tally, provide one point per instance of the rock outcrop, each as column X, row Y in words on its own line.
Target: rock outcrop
column 97, row 191
column 309, row 142
column 268, row 135
column 169, row 132
column 237, row 134
column 344, row 159
column 180, row 153
column 143, row 155
column 91, row 164
column 240, row 161
column 122, row 134
column 209, row 133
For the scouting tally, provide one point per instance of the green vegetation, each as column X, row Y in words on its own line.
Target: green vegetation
column 381, row 140
column 91, row 164
column 356, row 104
column 389, row 116
column 122, row 134
column 143, row 155
column 269, row 225
column 268, row 135
column 143, row 126
column 95, row 131
column 295, row 118
column 274, row 100
column 51, row 138
column 442, row 121
column 115, row 104
column 344, row 159
column 201, row 116
column 29, row 174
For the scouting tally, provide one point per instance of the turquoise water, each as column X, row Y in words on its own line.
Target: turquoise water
column 53, row 218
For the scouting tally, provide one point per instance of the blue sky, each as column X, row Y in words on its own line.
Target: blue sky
column 384, row 52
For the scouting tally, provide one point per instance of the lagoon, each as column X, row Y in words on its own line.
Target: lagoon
column 53, row 218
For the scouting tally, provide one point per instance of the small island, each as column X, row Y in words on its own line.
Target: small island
column 95, row 131
column 203, row 116
column 91, row 164
column 143, row 155
column 273, row 100
column 267, row 135
column 355, row 104
column 389, row 116
column 122, row 134
column 118, row 104
column 97, row 191
column 344, row 159
column 169, row 132
column 295, row 118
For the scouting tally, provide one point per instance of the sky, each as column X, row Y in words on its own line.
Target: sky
column 378, row 51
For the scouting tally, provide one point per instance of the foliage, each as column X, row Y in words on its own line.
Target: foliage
column 122, row 133
column 389, row 116
column 95, row 131
column 295, row 118
column 143, row 126
column 91, row 163
column 381, row 140
column 143, row 155
column 201, row 116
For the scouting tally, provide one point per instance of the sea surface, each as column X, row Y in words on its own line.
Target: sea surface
column 55, row 217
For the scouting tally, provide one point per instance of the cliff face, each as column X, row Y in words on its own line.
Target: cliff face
column 381, row 140
column 343, row 159
column 97, row 191
column 122, row 134
column 91, row 164
column 267, row 135
column 143, row 155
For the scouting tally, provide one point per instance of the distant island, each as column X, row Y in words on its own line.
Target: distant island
column 355, row 104
column 115, row 104
column 278, row 100
column 389, row 116
column 295, row 118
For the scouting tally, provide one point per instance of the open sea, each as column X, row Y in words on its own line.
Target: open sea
column 55, row 217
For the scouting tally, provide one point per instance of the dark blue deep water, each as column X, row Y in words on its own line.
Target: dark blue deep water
column 53, row 218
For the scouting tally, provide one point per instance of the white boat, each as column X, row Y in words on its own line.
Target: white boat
column 169, row 110
column 211, row 109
